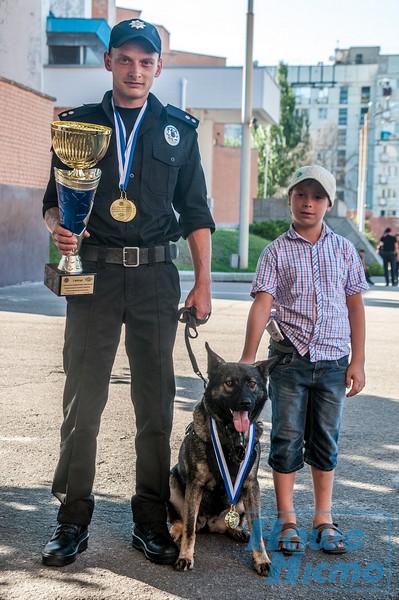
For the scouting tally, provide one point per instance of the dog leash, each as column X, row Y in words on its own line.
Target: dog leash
column 187, row 315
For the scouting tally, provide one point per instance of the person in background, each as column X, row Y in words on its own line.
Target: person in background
column 362, row 254
column 152, row 191
column 397, row 256
column 388, row 248
column 313, row 279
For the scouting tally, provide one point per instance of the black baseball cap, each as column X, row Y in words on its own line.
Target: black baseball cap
column 132, row 30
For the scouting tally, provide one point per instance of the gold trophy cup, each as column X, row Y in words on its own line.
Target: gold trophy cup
column 79, row 146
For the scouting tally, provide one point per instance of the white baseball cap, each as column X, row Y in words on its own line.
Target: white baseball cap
column 320, row 174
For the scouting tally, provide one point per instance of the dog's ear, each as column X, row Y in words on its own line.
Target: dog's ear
column 213, row 358
column 266, row 366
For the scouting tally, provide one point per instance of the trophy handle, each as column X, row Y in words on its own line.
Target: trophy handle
column 72, row 263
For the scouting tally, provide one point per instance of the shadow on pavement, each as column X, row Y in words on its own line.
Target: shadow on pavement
column 31, row 298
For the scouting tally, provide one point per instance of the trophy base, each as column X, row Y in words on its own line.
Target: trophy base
column 64, row 284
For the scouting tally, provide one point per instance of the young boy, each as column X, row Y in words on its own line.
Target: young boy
column 313, row 279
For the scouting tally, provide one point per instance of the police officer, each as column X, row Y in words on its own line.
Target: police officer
column 152, row 191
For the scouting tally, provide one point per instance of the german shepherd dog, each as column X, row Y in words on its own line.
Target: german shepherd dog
column 233, row 400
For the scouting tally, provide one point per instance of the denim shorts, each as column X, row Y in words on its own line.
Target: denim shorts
column 307, row 404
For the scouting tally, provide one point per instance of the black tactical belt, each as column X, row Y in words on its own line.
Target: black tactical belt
column 282, row 346
column 130, row 256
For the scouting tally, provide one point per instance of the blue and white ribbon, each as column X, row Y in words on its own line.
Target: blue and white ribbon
column 233, row 491
column 126, row 149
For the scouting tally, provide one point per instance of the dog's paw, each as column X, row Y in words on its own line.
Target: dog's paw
column 239, row 534
column 176, row 530
column 262, row 568
column 184, row 564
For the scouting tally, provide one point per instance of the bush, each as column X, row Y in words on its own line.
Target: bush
column 224, row 244
column 53, row 252
column 375, row 270
column 270, row 230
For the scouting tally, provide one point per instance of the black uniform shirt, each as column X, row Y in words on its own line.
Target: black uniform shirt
column 388, row 241
column 164, row 180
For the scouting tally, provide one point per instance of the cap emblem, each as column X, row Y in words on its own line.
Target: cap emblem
column 172, row 136
column 137, row 24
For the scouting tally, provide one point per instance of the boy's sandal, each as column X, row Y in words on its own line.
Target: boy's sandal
column 330, row 543
column 286, row 543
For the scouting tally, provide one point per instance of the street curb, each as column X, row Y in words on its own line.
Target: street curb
column 216, row 276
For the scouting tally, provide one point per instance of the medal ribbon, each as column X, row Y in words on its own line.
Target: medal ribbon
column 233, row 492
column 126, row 149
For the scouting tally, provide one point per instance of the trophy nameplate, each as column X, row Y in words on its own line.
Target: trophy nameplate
column 63, row 284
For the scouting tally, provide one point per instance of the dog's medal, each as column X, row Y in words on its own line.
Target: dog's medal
column 232, row 519
column 123, row 209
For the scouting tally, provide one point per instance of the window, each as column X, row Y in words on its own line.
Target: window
column 386, row 88
column 343, row 116
column 385, row 135
column 232, row 135
column 302, row 95
column 73, row 55
column 64, row 55
column 341, row 137
column 301, row 113
column 322, row 97
column 341, row 158
column 343, row 95
column 340, row 177
column 363, row 112
column 358, row 59
column 322, row 113
column 90, row 57
column 365, row 98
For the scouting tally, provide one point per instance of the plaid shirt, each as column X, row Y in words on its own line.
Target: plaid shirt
column 309, row 284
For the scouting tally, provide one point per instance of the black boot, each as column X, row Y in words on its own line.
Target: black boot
column 154, row 540
column 67, row 540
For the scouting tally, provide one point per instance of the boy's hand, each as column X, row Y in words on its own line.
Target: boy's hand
column 355, row 379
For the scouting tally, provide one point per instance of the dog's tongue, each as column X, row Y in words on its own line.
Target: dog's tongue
column 240, row 420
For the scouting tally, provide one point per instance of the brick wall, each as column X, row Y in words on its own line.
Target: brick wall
column 379, row 224
column 25, row 139
column 99, row 9
column 226, row 184
column 123, row 14
column 25, row 143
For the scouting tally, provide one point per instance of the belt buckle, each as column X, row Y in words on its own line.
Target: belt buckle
column 125, row 257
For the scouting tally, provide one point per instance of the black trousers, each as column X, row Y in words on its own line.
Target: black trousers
column 389, row 259
column 145, row 299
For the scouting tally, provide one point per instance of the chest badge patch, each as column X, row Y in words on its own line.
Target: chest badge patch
column 172, row 136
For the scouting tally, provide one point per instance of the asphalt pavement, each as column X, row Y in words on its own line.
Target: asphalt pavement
column 366, row 500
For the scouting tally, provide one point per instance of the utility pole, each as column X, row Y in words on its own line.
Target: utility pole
column 362, row 171
column 246, row 118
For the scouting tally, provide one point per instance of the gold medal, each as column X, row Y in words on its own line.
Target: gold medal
column 123, row 209
column 232, row 519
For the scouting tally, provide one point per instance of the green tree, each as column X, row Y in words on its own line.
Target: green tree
column 282, row 148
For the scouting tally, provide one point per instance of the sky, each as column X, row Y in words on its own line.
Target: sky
column 293, row 31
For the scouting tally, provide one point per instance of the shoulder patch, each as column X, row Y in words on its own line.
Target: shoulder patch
column 182, row 115
column 79, row 111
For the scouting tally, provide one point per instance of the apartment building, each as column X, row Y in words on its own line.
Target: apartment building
column 359, row 90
